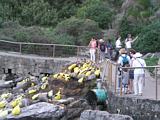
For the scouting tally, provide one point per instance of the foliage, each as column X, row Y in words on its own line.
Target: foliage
column 151, row 61
column 37, row 12
column 82, row 30
column 127, row 27
column 149, row 38
column 98, row 11
column 145, row 3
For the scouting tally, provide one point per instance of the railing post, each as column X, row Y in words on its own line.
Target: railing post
column 20, row 48
column 156, row 83
column 121, row 83
column 77, row 52
column 53, row 51
column 115, row 87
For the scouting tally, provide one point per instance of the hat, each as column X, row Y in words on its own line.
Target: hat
column 101, row 40
column 122, row 51
column 138, row 54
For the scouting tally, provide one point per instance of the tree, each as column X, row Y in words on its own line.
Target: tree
column 81, row 29
column 98, row 11
column 149, row 38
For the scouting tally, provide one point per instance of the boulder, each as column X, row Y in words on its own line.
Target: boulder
column 39, row 111
column 102, row 115
column 126, row 4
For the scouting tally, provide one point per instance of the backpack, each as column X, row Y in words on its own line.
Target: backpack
column 102, row 47
column 110, row 46
column 125, row 60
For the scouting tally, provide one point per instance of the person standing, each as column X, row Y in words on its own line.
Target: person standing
column 118, row 43
column 123, row 61
column 139, row 73
column 109, row 49
column 92, row 45
column 129, row 41
column 102, row 49
column 131, row 71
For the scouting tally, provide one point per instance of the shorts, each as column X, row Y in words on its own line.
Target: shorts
column 131, row 74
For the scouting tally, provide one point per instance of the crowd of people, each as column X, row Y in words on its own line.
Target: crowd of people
column 131, row 75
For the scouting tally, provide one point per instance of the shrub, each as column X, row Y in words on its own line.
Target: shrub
column 151, row 61
column 97, row 11
column 149, row 38
column 127, row 26
column 80, row 29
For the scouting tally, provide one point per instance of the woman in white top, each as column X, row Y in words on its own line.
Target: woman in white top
column 118, row 43
column 129, row 41
column 139, row 73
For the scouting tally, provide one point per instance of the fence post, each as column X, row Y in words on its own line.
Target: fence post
column 20, row 48
column 121, row 83
column 115, row 87
column 156, row 83
column 53, row 52
column 77, row 52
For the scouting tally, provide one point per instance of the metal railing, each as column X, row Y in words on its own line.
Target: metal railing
column 47, row 50
column 114, row 80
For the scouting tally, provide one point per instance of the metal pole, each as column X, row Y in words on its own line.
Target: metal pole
column 121, row 83
column 116, row 79
column 77, row 52
column 20, row 48
column 156, row 83
column 111, row 75
column 53, row 52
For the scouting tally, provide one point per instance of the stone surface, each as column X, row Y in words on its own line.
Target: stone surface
column 74, row 109
column 39, row 111
column 102, row 115
column 137, row 107
column 126, row 4
column 22, row 64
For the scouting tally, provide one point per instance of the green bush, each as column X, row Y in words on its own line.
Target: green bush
column 151, row 61
column 80, row 29
column 97, row 11
column 127, row 27
column 149, row 38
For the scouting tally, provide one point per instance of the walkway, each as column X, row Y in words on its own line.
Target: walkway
column 149, row 91
column 31, row 56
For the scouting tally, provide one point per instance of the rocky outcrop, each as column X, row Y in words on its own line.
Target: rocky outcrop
column 126, row 4
column 102, row 115
column 39, row 111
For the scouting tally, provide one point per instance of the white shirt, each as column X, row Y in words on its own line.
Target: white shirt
column 138, row 62
column 128, row 44
column 118, row 43
column 120, row 59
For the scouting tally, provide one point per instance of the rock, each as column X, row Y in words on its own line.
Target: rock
column 75, row 109
column 73, row 113
column 39, row 111
column 66, row 101
column 102, row 115
column 76, row 104
column 126, row 4
column 147, row 55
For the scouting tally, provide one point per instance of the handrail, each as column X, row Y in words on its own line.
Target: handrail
column 25, row 43
column 141, row 67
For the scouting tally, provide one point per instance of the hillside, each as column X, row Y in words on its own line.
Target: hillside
column 76, row 21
